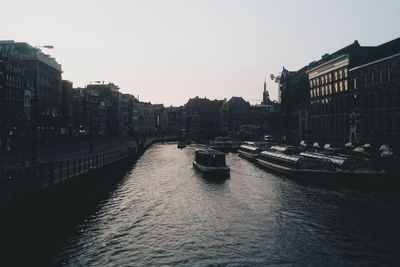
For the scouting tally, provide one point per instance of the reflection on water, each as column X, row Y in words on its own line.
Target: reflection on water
column 164, row 212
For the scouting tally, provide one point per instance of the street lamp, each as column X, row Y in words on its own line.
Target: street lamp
column 35, row 106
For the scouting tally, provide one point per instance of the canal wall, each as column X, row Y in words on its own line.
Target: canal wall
column 19, row 185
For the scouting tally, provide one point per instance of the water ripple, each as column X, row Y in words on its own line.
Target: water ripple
column 165, row 213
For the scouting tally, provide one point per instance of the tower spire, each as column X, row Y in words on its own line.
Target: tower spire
column 265, row 84
column 265, row 93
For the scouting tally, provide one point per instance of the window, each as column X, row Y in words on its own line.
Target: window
column 355, row 83
column 336, row 87
column 330, row 77
column 336, row 75
column 340, row 74
column 345, row 85
column 345, row 72
column 330, row 89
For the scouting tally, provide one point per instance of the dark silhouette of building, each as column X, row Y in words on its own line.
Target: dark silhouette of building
column 26, row 70
column 293, row 120
column 239, row 113
column 213, row 114
column 176, row 119
column 66, row 109
column 374, row 94
column 103, row 109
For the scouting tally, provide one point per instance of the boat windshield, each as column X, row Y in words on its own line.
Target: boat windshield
column 210, row 158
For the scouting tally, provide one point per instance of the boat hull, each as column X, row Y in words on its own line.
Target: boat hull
column 211, row 170
column 326, row 176
column 248, row 155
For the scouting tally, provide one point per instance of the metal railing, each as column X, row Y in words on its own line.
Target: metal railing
column 16, row 182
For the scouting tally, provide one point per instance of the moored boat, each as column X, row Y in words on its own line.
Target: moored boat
column 181, row 144
column 210, row 161
column 319, row 167
column 249, row 150
column 224, row 144
column 295, row 165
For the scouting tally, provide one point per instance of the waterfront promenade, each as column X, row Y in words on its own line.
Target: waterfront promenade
column 57, row 152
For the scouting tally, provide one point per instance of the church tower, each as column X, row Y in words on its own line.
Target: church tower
column 266, row 99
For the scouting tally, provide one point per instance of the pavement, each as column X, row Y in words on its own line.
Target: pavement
column 64, row 151
column 58, row 152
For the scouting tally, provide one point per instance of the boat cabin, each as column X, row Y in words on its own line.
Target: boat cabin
column 210, row 158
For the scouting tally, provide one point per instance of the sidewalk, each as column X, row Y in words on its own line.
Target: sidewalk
column 63, row 151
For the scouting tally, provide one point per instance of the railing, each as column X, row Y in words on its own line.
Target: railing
column 19, row 182
column 16, row 182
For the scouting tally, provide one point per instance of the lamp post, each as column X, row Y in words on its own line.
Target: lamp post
column 35, row 105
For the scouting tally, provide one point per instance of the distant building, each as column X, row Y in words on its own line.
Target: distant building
column 145, row 120
column 66, row 109
column 161, row 118
column 103, row 109
column 261, row 112
column 239, row 113
column 176, row 119
column 213, row 114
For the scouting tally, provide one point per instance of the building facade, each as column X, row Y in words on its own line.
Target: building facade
column 294, row 114
column 375, row 97
column 213, row 116
column 31, row 93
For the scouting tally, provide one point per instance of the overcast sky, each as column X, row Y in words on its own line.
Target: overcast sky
column 169, row 50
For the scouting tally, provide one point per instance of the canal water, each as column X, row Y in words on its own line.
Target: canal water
column 164, row 212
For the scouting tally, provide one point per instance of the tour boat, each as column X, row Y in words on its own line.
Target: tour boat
column 335, row 159
column 295, row 165
column 249, row 150
column 224, row 144
column 210, row 161
column 319, row 167
column 181, row 144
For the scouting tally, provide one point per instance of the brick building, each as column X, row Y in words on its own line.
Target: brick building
column 375, row 97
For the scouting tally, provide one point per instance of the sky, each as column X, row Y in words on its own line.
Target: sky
column 166, row 51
